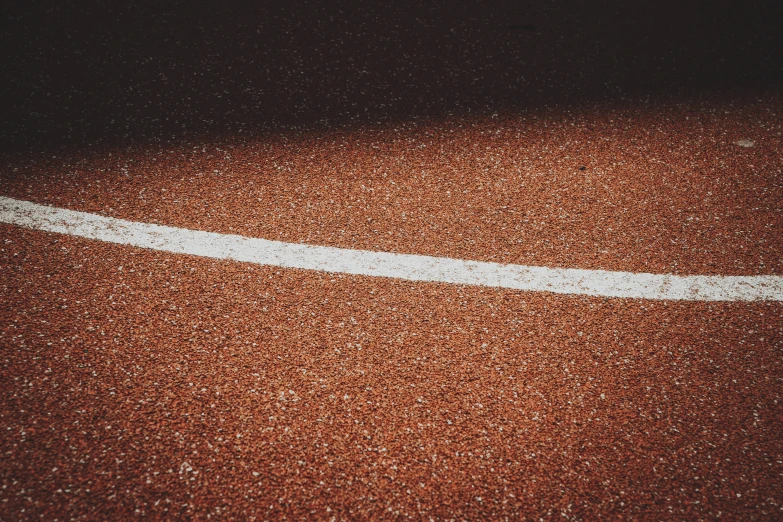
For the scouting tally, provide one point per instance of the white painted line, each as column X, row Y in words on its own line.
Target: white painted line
column 384, row 264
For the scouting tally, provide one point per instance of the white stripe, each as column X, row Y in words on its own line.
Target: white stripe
column 383, row 264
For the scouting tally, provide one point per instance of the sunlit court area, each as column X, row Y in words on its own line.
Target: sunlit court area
column 423, row 260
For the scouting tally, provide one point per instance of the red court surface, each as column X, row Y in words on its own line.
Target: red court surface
column 147, row 384
column 141, row 382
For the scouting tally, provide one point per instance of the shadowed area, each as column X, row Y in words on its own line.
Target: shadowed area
column 78, row 74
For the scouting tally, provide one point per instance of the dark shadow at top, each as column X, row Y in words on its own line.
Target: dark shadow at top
column 86, row 73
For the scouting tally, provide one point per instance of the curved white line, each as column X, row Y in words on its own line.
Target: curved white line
column 384, row 264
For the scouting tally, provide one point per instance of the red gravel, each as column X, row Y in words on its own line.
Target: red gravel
column 138, row 383
column 665, row 187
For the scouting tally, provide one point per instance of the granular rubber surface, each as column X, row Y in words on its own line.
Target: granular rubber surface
column 661, row 189
column 151, row 384
column 143, row 384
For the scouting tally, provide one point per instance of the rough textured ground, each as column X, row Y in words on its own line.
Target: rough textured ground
column 137, row 383
column 650, row 188
column 144, row 383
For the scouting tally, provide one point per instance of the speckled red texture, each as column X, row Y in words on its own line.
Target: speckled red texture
column 664, row 188
column 138, row 383
column 601, row 135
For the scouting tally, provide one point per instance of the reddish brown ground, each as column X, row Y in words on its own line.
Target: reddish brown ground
column 573, row 134
column 141, row 383
column 664, row 189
